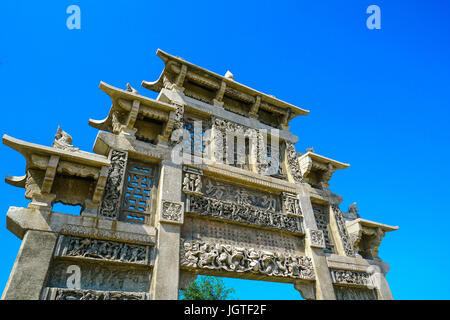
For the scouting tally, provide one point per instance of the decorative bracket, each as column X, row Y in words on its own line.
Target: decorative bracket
column 219, row 96
column 255, row 107
column 306, row 289
column 317, row 170
column 367, row 236
column 180, row 79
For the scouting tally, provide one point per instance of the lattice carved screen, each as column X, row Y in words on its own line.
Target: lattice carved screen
column 321, row 214
column 136, row 199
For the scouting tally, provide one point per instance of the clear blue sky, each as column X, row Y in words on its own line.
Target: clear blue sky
column 379, row 99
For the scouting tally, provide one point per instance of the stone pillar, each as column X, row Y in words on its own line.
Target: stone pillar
column 384, row 292
column 324, row 286
column 379, row 271
column 29, row 272
column 169, row 218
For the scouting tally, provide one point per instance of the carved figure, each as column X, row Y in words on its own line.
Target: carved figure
column 63, row 141
column 353, row 211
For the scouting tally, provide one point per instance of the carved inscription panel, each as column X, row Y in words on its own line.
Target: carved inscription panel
column 214, row 231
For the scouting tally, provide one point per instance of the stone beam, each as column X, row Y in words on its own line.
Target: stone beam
column 20, row 220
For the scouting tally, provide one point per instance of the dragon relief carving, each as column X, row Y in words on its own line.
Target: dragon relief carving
column 346, row 241
column 178, row 119
column 204, row 255
column 111, row 198
column 293, row 164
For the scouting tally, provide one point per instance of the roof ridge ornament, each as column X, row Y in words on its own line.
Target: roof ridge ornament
column 63, row 141
column 353, row 211
column 131, row 89
column 229, row 75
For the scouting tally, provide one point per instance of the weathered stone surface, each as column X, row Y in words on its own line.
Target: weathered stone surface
column 352, row 293
column 366, row 236
column 102, row 250
column 208, row 230
column 238, row 201
column 30, row 269
column 166, row 271
column 100, row 276
column 20, row 220
column 78, row 294
column 222, row 257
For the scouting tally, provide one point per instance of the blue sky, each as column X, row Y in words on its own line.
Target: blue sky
column 379, row 99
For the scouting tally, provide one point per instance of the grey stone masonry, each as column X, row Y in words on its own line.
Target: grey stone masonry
column 205, row 179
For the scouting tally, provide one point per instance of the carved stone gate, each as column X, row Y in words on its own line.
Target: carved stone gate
column 149, row 224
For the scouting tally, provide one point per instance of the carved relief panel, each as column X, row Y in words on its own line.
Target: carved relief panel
column 75, row 294
column 105, row 269
column 291, row 204
column 235, row 204
column 292, row 163
column 103, row 277
column 102, row 250
column 242, row 196
column 110, row 206
column 343, row 233
column 197, row 254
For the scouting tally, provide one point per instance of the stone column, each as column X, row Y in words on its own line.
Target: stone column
column 379, row 271
column 384, row 292
column 324, row 286
column 169, row 218
column 29, row 272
